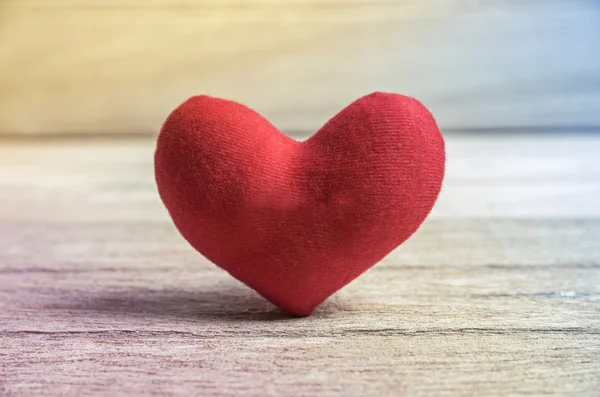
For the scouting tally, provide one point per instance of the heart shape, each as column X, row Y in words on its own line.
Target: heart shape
column 297, row 221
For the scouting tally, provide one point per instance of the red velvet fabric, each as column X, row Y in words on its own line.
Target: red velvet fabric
column 297, row 221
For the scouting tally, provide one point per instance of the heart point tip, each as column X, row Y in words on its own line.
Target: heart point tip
column 298, row 311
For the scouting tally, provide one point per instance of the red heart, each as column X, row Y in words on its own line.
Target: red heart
column 297, row 221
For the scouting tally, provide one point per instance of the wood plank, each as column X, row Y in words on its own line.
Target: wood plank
column 77, row 66
column 550, row 176
column 496, row 294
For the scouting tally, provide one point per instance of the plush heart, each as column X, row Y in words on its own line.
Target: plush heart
column 297, row 221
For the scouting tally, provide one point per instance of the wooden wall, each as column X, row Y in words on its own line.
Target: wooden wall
column 109, row 66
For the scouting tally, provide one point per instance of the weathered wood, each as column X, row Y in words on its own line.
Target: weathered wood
column 497, row 294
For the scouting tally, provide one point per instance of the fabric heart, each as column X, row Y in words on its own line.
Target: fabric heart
column 297, row 221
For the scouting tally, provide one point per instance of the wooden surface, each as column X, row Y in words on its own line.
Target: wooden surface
column 112, row 66
column 497, row 294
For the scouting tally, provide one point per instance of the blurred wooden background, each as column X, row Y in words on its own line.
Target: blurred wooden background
column 109, row 66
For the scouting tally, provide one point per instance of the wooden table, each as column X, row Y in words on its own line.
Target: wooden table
column 497, row 294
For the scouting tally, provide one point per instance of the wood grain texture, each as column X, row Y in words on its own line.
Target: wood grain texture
column 92, row 66
column 497, row 294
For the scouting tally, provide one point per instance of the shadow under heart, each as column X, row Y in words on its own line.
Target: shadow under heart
column 224, row 302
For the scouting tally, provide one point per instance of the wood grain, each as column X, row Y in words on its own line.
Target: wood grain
column 92, row 66
column 497, row 294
